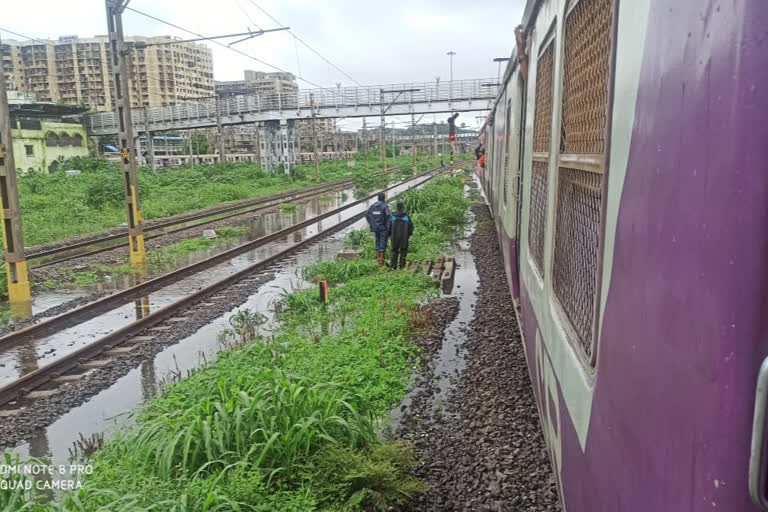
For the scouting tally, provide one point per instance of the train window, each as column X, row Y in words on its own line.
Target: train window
column 506, row 150
column 542, row 130
column 581, row 165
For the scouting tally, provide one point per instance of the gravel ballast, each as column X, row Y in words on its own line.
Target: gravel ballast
column 482, row 450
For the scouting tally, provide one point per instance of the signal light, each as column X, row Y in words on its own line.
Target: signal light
column 452, row 137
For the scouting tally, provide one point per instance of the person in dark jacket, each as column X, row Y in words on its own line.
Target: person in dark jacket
column 400, row 230
column 378, row 218
column 479, row 150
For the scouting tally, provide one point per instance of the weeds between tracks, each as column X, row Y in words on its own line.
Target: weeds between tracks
column 289, row 421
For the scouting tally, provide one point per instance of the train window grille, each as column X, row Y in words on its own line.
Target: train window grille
column 542, row 131
column 581, row 165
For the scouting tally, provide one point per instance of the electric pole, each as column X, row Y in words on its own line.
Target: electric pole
column 450, row 88
column 19, row 294
column 393, row 143
column 434, row 140
column 382, row 147
column 125, row 129
column 150, row 142
column 222, row 155
column 314, row 136
column 365, row 144
column 413, row 141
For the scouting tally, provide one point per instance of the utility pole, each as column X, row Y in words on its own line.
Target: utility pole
column 434, row 140
column 222, row 155
column 167, row 151
column 314, row 136
column 19, row 294
column 189, row 141
column 393, row 143
column 382, row 147
column 450, row 88
column 365, row 144
column 125, row 129
column 413, row 141
column 150, row 142
column 257, row 146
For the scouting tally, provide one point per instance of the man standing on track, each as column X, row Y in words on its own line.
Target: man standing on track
column 400, row 230
column 378, row 218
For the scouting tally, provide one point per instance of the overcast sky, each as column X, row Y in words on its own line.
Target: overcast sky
column 373, row 41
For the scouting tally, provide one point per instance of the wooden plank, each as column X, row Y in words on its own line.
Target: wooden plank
column 44, row 393
column 63, row 379
column 96, row 363
column 139, row 339
column 118, row 351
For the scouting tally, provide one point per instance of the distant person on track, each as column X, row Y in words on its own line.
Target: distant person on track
column 400, row 230
column 378, row 218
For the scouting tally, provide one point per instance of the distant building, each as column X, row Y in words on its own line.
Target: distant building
column 269, row 86
column 77, row 71
column 41, row 146
column 262, row 83
column 44, row 134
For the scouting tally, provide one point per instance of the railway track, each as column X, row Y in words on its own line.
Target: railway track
column 225, row 212
column 47, row 380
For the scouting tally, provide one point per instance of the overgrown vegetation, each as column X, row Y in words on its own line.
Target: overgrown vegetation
column 288, row 421
column 94, row 200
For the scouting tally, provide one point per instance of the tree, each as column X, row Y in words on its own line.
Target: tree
column 200, row 145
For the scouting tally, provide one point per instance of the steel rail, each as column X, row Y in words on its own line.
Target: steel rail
column 42, row 375
column 73, row 317
column 225, row 213
column 197, row 216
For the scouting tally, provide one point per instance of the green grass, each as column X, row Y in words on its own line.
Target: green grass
column 93, row 200
column 289, row 421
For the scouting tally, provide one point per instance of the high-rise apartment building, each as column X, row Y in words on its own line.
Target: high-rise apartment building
column 77, row 71
column 262, row 83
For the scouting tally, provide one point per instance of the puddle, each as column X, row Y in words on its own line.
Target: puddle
column 450, row 361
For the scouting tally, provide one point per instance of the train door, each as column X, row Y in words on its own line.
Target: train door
column 522, row 93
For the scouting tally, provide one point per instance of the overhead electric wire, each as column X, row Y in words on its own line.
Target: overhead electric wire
column 306, row 44
column 247, row 15
column 221, row 44
column 26, row 37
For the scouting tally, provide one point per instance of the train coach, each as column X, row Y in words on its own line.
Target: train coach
column 627, row 172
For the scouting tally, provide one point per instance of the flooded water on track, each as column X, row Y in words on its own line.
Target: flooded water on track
column 450, row 360
column 113, row 407
column 27, row 357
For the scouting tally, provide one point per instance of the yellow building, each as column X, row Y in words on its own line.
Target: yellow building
column 41, row 146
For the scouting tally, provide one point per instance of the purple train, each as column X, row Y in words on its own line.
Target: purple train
column 627, row 171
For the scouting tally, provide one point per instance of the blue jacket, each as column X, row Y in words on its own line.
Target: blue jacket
column 378, row 217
